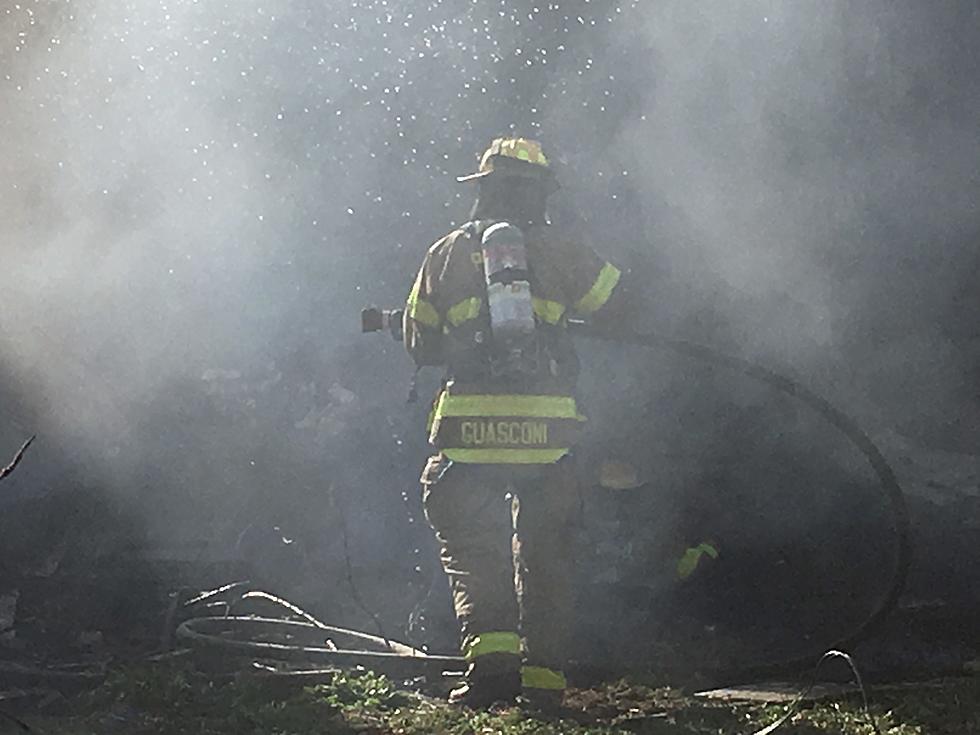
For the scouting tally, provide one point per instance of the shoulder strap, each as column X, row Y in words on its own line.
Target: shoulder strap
column 475, row 228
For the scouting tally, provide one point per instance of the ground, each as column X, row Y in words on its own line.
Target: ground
column 172, row 698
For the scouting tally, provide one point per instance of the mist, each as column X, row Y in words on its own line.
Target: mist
column 198, row 198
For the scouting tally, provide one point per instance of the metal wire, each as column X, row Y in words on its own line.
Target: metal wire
column 795, row 705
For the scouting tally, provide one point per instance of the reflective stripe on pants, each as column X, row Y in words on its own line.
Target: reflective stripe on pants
column 496, row 552
column 539, row 677
column 483, row 644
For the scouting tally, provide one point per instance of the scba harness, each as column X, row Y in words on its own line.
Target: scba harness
column 506, row 428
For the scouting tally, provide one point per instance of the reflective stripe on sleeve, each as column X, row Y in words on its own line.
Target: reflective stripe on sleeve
column 464, row 311
column 558, row 407
column 505, row 456
column 424, row 313
column 538, row 677
column 548, row 311
column 601, row 290
column 421, row 310
column 494, row 642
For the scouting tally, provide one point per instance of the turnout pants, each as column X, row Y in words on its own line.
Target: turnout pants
column 507, row 538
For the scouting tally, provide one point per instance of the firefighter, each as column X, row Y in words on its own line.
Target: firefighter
column 491, row 304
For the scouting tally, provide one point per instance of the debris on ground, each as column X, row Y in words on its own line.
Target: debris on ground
column 172, row 697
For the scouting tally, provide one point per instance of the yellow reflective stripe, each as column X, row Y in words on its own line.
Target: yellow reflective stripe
column 538, row 677
column 421, row 310
column 424, row 313
column 548, row 311
column 505, row 456
column 706, row 548
column 464, row 311
column 689, row 561
column 494, row 642
column 521, row 149
column 542, row 407
column 601, row 290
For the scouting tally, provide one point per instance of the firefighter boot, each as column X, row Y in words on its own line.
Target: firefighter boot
column 495, row 678
column 542, row 701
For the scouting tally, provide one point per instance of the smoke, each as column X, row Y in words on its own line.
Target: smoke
column 198, row 197
column 810, row 162
column 800, row 175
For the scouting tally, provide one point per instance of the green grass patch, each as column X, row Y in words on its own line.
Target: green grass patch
column 173, row 699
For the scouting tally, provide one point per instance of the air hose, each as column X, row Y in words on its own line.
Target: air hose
column 894, row 497
column 240, row 634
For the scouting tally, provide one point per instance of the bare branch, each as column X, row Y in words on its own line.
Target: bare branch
column 8, row 470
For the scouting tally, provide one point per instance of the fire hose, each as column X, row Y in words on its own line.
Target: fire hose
column 236, row 634
column 901, row 552
column 311, row 641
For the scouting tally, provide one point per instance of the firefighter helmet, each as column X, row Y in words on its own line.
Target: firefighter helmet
column 512, row 157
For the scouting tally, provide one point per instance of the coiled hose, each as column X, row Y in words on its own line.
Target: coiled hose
column 311, row 642
column 894, row 497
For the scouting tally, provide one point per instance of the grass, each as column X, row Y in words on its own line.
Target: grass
column 172, row 699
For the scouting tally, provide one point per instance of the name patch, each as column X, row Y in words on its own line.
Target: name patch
column 504, row 433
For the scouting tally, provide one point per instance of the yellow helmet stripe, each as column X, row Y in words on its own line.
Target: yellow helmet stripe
column 519, row 148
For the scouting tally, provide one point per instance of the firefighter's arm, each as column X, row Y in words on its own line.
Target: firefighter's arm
column 422, row 321
column 596, row 290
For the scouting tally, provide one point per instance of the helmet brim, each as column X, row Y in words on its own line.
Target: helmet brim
column 472, row 177
column 507, row 171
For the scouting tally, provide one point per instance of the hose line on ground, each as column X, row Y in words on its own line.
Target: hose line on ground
column 240, row 634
